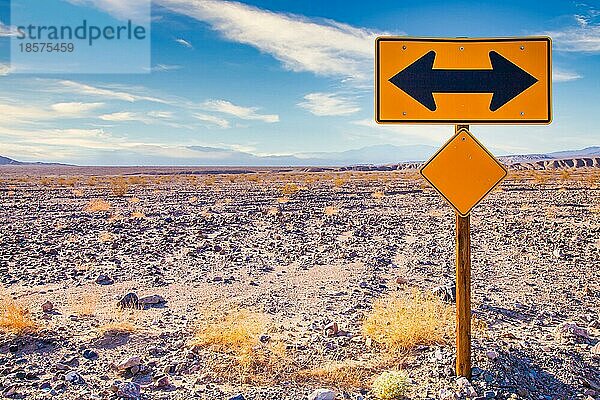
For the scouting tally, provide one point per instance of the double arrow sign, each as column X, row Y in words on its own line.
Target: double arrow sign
column 505, row 80
column 463, row 80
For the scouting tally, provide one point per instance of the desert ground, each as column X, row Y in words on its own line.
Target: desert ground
column 270, row 284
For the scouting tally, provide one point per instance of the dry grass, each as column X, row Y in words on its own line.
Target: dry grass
column 240, row 355
column 339, row 182
column 331, row 210
column 106, row 237
column 119, row 186
column 117, row 328
column 85, row 305
column 15, row 318
column 290, row 189
column 401, row 322
column 138, row 215
column 97, row 205
column 345, row 374
column 378, row 195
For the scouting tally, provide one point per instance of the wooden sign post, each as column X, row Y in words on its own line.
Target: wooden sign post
column 463, row 291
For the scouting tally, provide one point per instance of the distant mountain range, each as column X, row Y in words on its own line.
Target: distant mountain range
column 10, row 161
column 370, row 155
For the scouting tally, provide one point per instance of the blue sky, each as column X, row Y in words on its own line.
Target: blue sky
column 276, row 77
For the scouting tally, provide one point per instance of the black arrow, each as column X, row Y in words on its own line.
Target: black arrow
column 505, row 80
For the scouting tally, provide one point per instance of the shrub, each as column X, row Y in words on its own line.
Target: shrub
column 401, row 322
column 290, row 189
column 330, row 210
column 119, row 186
column 391, row 385
column 240, row 354
column 97, row 205
column 15, row 318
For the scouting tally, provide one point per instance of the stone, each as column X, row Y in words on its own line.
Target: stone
column 47, row 307
column 9, row 391
column 571, row 331
column 129, row 390
column 104, row 280
column 331, row 329
column 162, row 382
column 446, row 292
column 130, row 300
column 90, row 354
column 446, row 394
column 322, row 394
column 151, row 300
column 264, row 338
column 492, row 355
column 128, row 363
column 74, row 378
column 401, row 281
column 62, row 366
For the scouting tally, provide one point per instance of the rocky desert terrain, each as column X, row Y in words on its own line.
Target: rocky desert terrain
column 138, row 283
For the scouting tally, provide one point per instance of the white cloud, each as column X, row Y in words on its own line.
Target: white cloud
column 75, row 108
column 6, row 30
column 160, row 114
column 165, row 68
column 5, row 69
column 136, row 10
column 559, row 75
column 585, row 37
column 27, row 114
column 323, row 47
column 106, row 93
column 248, row 113
column 322, row 104
column 125, row 116
column 402, row 134
column 184, row 43
column 220, row 122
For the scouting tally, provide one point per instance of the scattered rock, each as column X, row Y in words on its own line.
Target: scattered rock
column 570, row 331
column 151, row 300
column 465, row 387
column 596, row 349
column 162, row 382
column 104, row 280
column 128, row 363
column 47, row 307
column 331, row 329
column 90, row 354
column 74, row 378
column 129, row 390
column 130, row 300
column 446, row 292
column 492, row 355
column 401, row 280
column 322, row 394
column 9, row 391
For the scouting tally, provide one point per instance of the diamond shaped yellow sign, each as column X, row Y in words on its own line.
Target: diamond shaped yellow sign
column 463, row 171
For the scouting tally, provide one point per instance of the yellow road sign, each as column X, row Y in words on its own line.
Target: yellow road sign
column 463, row 81
column 463, row 171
